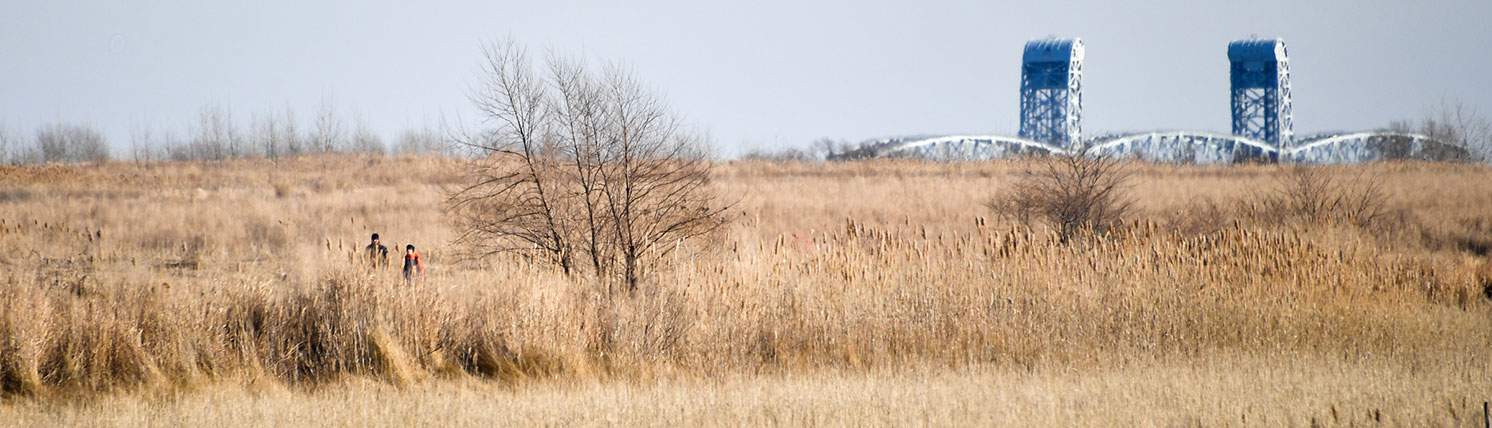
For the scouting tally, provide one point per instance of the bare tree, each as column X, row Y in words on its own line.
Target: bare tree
column 365, row 141
column 142, row 144
column 216, row 136
column 511, row 203
column 328, row 136
column 266, row 135
column 71, row 143
column 14, row 151
column 425, row 140
column 9, row 146
column 1453, row 122
column 176, row 148
column 295, row 144
column 1074, row 193
column 233, row 138
column 654, row 173
column 590, row 169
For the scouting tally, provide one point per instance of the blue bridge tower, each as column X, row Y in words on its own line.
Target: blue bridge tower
column 1052, row 92
column 1260, row 80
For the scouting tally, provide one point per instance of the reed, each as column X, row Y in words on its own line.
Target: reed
column 179, row 276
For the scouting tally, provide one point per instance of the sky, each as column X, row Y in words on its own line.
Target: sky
column 755, row 75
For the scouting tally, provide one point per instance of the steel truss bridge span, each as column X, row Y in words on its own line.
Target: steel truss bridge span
column 1180, row 147
column 957, row 148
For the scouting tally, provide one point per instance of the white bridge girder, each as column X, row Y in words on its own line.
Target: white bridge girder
column 1185, row 147
column 1181, row 147
column 960, row 148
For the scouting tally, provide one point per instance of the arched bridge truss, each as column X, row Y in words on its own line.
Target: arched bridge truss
column 1182, row 147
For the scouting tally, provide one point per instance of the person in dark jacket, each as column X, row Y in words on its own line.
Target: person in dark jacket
column 377, row 254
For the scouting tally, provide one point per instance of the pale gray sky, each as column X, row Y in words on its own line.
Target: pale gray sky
column 754, row 74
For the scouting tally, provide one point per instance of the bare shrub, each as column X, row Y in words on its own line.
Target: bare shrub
column 1071, row 193
column 1309, row 195
column 590, row 168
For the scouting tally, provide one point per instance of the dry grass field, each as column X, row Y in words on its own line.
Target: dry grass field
column 877, row 293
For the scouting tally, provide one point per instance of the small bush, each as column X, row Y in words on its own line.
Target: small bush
column 1072, row 194
column 1310, row 195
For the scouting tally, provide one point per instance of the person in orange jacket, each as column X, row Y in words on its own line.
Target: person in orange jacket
column 413, row 267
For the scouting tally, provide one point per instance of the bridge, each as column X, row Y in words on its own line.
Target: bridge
column 1259, row 99
column 1175, row 147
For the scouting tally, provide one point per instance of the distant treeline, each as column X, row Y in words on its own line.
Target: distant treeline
column 216, row 136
